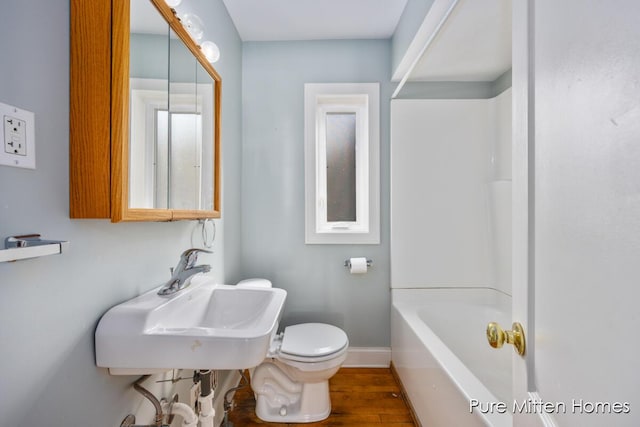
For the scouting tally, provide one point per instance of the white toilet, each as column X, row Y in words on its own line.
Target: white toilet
column 292, row 384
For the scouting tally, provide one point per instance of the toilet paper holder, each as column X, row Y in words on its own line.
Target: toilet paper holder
column 347, row 263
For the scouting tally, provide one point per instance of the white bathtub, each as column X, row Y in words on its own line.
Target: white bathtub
column 442, row 357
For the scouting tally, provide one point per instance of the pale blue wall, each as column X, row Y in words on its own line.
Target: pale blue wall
column 49, row 306
column 319, row 286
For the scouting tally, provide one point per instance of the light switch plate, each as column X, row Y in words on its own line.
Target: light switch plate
column 17, row 137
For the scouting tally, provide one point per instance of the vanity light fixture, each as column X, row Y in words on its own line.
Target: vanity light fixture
column 194, row 26
column 210, row 50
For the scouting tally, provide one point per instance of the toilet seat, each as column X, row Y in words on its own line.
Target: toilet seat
column 311, row 343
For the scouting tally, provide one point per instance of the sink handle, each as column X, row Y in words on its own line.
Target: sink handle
column 186, row 268
column 189, row 257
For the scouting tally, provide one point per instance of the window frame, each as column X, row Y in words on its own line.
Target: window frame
column 363, row 99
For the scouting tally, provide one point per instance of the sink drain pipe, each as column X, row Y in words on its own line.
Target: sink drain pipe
column 205, row 401
column 189, row 418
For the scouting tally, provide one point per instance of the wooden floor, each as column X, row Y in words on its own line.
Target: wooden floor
column 359, row 397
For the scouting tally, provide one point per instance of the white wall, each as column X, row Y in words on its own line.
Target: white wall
column 449, row 215
column 500, row 189
column 410, row 21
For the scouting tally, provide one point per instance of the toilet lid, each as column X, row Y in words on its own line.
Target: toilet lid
column 313, row 340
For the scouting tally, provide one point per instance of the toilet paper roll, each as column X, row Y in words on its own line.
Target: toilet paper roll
column 358, row 265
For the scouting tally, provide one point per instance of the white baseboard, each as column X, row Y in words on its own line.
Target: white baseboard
column 368, row 357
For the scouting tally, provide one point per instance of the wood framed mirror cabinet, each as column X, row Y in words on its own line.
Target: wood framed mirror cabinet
column 144, row 115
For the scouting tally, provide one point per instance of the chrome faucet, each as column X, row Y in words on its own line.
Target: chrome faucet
column 186, row 268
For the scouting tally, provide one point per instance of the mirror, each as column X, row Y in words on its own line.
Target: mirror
column 149, row 95
column 173, row 142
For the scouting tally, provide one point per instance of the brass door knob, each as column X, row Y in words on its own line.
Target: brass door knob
column 497, row 336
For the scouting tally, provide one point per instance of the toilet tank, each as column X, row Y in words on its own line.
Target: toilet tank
column 254, row 283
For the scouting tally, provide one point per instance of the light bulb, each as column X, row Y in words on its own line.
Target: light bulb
column 194, row 26
column 173, row 3
column 210, row 50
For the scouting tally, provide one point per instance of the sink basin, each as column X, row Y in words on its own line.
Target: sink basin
column 205, row 326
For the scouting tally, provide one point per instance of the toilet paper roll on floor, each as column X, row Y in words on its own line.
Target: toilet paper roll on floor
column 357, row 265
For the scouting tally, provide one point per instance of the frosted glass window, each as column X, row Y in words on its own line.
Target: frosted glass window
column 186, row 146
column 341, row 166
column 342, row 163
column 178, row 160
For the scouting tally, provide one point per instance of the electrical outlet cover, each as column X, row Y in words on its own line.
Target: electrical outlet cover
column 17, row 145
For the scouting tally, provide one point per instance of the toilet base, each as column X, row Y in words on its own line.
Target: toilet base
column 313, row 405
column 279, row 398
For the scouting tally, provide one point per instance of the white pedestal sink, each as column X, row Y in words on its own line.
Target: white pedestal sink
column 205, row 326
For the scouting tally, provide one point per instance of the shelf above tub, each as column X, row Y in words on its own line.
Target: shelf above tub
column 30, row 246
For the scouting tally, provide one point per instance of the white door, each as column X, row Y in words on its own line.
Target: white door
column 576, row 82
